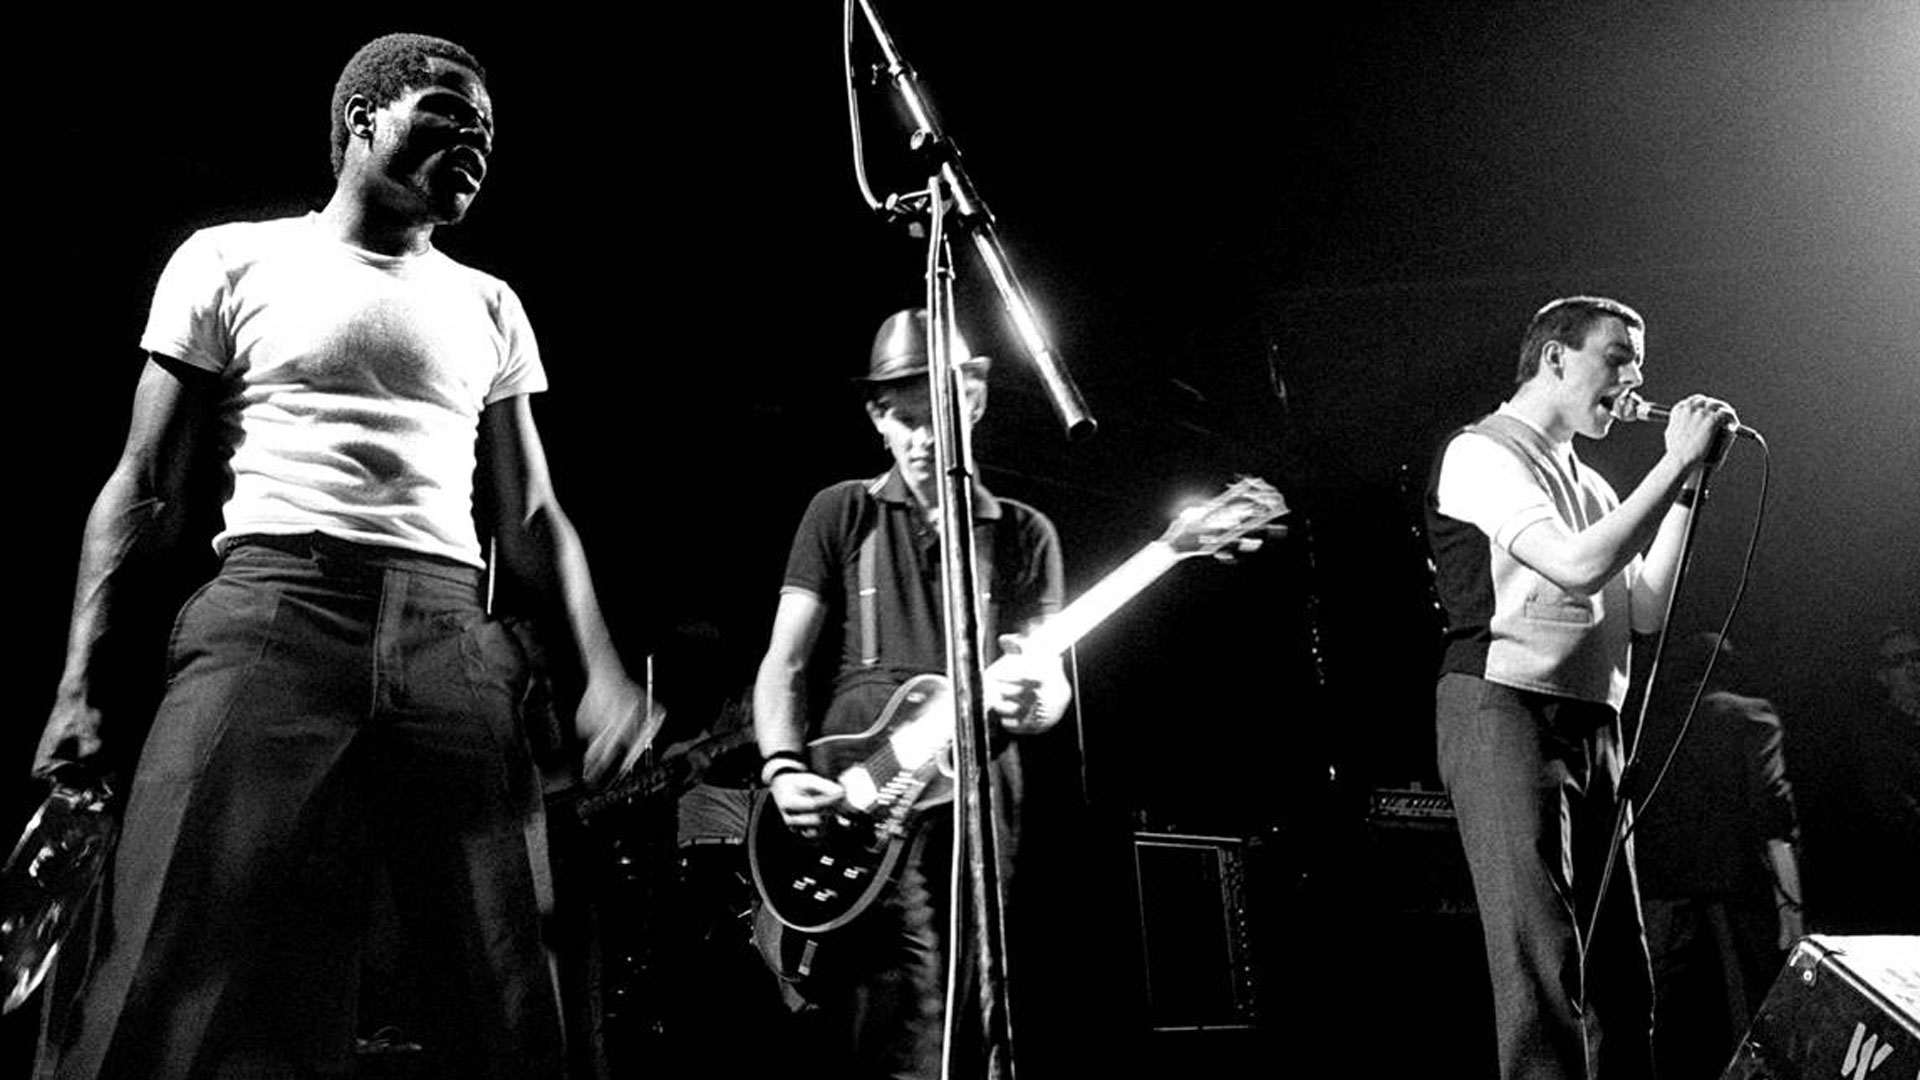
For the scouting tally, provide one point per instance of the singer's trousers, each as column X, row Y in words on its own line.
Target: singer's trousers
column 328, row 705
column 1533, row 779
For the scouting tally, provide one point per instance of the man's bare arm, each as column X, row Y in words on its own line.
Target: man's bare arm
column 779, row 710
column 138, row 515
column 540, row 549
column 1584, row 562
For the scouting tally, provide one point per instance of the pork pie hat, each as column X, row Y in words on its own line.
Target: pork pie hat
column 900, row 350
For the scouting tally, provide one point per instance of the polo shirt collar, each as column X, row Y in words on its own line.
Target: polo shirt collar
column 893, row 488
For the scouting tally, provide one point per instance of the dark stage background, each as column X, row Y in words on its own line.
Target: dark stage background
column 1302, row 247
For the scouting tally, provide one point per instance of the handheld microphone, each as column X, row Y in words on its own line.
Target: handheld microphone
column 1632, row 408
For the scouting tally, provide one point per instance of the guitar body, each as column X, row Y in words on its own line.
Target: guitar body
column 892, row 773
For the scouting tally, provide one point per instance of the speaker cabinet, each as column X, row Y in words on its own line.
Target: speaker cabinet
column 1843, row 1007
column 1193, row 893
column 1411, row 862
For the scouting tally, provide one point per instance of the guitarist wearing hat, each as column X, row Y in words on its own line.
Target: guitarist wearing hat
column 859, row 615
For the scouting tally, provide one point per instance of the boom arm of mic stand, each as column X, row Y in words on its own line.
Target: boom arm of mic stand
column 977, row 220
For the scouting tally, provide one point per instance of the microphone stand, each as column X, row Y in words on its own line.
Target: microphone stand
column 976, row 844
column 976, row 841
column 1622, row 827
column 974, row 795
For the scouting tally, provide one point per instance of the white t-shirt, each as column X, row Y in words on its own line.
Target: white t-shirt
column 355, row 380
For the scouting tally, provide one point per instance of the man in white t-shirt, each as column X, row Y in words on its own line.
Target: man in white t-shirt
column 339, row 697
column 1539, row 565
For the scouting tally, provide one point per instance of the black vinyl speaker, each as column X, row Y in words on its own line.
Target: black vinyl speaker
column 1200, row 971
column 1843, row 1008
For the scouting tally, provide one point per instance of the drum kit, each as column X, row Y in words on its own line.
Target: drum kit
column 668, row 871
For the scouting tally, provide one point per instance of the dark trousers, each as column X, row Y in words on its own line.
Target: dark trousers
column 888, row 1017
column 328, row 705
column 1533, row 780
column 893, row 1017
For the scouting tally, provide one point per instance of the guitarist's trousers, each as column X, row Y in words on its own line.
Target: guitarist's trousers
column 894, row 1013
column 330, row 708
column 891, row 1019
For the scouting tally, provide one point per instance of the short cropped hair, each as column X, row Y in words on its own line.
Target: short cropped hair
column 1568, row 321
column 384, row 70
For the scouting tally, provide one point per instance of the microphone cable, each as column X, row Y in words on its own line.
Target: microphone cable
column 853, row 111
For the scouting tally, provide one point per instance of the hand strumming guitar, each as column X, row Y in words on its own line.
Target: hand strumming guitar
column 800, row 794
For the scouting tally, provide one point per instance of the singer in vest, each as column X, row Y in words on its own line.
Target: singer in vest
column 339, row 698
column 1540, row 566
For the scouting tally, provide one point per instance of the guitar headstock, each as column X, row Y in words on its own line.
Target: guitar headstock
column 1231, row 521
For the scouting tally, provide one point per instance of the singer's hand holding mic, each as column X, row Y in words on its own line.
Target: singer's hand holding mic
column 1697, row 426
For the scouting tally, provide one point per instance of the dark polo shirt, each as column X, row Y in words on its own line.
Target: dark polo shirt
column 1021, row 574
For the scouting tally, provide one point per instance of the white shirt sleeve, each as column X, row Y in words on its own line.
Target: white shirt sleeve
column 521, row 370
column 183, row 320
column 1486, row 485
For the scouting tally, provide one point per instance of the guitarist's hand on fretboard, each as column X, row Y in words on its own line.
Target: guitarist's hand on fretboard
column 1026, row 691
column 801, row 797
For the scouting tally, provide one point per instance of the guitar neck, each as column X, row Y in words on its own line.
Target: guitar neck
column 646, row 783
column 1059, row 632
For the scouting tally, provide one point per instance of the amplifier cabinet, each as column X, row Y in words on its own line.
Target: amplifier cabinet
column 1194, row 931
column 1843, row 1008
column 1411, row 861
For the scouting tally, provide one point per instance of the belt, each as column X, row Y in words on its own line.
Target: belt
column 323, row 548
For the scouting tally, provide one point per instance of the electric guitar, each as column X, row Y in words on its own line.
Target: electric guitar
column 903, row 765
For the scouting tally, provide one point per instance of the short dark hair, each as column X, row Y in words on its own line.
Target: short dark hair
column 385, row 69
column 1568, row 321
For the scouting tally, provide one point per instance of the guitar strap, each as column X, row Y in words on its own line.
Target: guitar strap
column 869, row 618
column 869, row 559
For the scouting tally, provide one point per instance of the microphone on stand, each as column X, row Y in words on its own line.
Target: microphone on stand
column 1632, row 408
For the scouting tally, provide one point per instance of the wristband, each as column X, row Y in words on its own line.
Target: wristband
column 781, row 761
